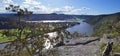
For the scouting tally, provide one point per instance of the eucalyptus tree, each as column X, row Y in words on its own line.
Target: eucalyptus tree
column 34, row 39
column 19, row 43
column 25, row 29
column 20, row 13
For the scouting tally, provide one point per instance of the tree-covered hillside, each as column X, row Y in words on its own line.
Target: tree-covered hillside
column 106, row 24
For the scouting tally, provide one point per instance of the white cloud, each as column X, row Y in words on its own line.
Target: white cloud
column 40, row 9
column 32, row 2
column 56, row 9
column 37, row 7
column 68, row 8
column 25, row 5
column 6, row 1
column 63, row 10
column 2, row 10
column 71, row 10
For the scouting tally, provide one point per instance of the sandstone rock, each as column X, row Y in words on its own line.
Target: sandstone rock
column 117, row 54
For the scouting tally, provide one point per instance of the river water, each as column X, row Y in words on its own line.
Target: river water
column 82, row 28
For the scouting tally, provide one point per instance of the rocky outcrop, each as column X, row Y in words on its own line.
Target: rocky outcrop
column 79, row 47
column 117, row 54
column 86, row 46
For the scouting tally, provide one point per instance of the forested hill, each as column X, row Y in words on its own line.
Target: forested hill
column 7, row 20
column 98, row 18
column 53, row 16
column 106, row 24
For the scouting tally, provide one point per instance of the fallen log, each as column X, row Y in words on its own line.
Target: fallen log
column 108, row 49
column 87, row 42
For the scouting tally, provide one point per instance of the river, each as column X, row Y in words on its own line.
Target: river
column 82, row 28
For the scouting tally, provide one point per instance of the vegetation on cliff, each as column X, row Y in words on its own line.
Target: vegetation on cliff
column 106, row 24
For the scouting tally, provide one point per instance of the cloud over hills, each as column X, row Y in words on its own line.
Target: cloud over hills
column 37, row 7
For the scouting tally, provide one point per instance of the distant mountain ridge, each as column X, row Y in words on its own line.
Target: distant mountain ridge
column 98, row 21
column 37, row 17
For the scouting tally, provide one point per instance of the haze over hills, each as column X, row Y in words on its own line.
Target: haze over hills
column 53, row 16
column 91, row 19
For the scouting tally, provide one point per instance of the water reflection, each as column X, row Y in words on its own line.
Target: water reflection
column 82, row 28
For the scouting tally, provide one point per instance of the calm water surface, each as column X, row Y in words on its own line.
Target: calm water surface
column 83, row 28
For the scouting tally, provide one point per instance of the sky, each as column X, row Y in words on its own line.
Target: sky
column 76, row 7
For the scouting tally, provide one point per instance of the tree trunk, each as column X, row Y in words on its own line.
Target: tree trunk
column 108, row 49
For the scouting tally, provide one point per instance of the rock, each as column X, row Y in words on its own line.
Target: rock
column 91, row 49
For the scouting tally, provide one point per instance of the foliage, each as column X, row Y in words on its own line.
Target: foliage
column 116, row 48
column 108, row 25
column 28, row 38
column 22, row 33
column 7, row 35
column 102, row 47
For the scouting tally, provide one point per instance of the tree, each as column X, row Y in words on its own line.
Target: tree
column 21, row 13
column 32, row 41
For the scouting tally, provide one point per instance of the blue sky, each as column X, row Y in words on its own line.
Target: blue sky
column 90, row 7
